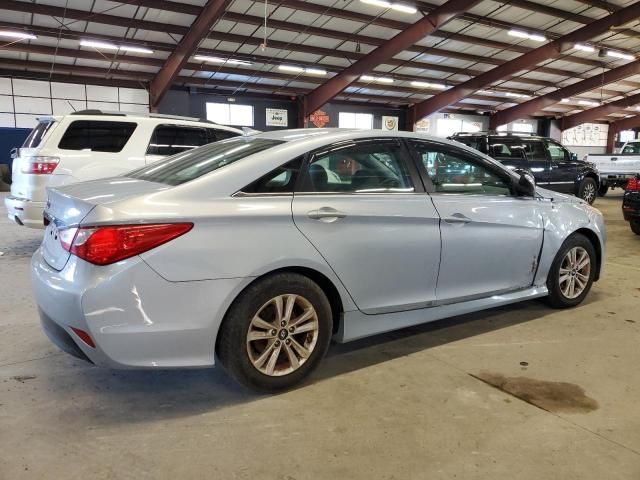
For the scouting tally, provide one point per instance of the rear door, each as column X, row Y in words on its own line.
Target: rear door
column 508, row 151
column 363, row 207
column 537, row 160
column 562, row 170
column 491, row 238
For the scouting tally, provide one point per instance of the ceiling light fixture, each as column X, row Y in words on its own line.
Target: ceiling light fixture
column 584, row 47
column 437, row 86
column 589, row 103
column 369, row 78
column 516, row 95
column 616, row 54
column 399, row 7
column 565, row 100
column 291, row 68
column 18, row 35
column 229, row 61
column 529, row 36
column 112, row 46
column 315, row 71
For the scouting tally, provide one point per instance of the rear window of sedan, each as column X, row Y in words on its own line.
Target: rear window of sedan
column 187, row 166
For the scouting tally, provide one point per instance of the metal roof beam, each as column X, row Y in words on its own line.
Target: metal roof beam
column 587, row 116
column 210, row 13
column 527, row 61
column 537, row 104
column 405, row 39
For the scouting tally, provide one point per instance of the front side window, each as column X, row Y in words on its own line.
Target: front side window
column 455, row 172
column 631, row 148
column 557, row 152
column 366, row 167
column 187, row 166
column 97, row 135
column 171, row 139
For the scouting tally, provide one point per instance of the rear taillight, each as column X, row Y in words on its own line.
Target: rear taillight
column 633, row 185
column 40, row 165
column 110, row 244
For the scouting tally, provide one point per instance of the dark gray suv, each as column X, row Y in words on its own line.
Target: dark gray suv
column 553, row 166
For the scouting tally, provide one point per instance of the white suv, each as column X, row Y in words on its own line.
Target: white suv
column 92, row 144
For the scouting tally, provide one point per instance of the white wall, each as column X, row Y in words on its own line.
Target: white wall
column 23, row 101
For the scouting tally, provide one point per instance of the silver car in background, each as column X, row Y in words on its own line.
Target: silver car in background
column 258, row 250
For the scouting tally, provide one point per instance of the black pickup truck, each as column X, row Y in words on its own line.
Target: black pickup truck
column 631, row 204
column 553, row 166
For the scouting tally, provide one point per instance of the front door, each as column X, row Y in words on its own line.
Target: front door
column 362, row 206
column 563, row 170
column 491, row 238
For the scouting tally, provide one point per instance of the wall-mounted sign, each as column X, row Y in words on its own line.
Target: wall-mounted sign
column 319, row 118
column 389, row 123
column 277, row 117
column 423, row 125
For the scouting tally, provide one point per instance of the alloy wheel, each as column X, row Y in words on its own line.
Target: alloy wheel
column 589, row 192
column 575, row 272
column 282, row 335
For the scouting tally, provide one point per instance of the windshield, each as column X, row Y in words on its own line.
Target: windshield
column 187, row 166
column 37, row 134
column 631, row 148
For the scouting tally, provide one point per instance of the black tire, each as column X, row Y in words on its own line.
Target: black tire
column 635, row 226
column 5, row 178
column 232, row 347
column 588, row 190
column 604, row 189
column 556, row 298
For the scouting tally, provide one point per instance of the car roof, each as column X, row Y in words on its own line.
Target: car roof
column 498, row 135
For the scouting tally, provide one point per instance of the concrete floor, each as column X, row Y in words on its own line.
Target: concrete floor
column 412, row 404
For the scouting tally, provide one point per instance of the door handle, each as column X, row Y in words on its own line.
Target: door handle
column 614, row 159
column 457, row 218
column 326, row 214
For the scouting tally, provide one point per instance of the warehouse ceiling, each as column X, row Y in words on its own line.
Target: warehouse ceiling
column 299, row 45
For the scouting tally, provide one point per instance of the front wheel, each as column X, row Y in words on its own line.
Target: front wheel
column 572, row 272
column 276, row 332
column 635, row 226
column 588, row 189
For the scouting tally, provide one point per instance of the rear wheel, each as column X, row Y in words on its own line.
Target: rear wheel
column 588, row 189
column 276, row 332
column 572, row 272
column 5, row 178
column 604, row 189
column 635, row 226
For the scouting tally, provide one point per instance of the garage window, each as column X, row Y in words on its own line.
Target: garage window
column 97, row 136
column 362, row 121
column 172, row 139
column 230, row 114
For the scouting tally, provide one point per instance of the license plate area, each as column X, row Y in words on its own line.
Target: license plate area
column 54, row 254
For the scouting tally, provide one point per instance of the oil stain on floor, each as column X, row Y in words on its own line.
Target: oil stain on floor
column 550, row 396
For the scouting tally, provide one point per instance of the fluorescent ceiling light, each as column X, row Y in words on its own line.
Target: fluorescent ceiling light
column 528, row 36
column 384, row 80
column 135, row 49
column 230, row 61
column 486, row 92
column 584, row 48
column 291, row 68
column 616, row 54
column 19, row 35
column 516, row 95
column 437, row 86
column 565, row 100
column 367, row 78
column 400, row 7
column 97, row 44
column 315, row 71
column 589, row 103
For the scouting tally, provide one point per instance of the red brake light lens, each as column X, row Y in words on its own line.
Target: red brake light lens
column 41, row 165
column 633, row 185
column 111, row 244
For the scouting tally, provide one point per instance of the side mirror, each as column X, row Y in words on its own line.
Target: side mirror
column 526, row 185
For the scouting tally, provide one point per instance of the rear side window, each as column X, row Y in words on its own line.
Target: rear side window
column 631, row 148
column 171, row 139
column 506, row 149
column 187, row 166
column 477, row 143
column 37, row 134
column 97, row 135
column 535, row 150
column 281, row 180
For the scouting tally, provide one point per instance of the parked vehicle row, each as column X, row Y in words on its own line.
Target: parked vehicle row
column 92, row 144
column 553, row 166
column 616, row 169
column 277, row 242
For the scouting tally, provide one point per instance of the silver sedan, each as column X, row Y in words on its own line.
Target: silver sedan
column 258, row 250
